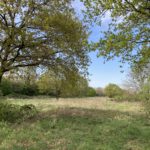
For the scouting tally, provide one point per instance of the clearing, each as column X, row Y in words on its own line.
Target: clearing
column 78, row 124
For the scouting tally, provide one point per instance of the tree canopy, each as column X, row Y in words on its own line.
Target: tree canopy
column 137, row 78
column 128, row 36
column 41, row 33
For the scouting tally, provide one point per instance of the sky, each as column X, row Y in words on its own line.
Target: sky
column 102, row 74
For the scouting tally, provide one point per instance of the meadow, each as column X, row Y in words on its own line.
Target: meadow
column 78, row 124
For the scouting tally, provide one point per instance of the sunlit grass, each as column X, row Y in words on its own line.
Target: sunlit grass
column 90, row 103
column 79, row 124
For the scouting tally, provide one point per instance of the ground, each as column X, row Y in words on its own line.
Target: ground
column 78, row 124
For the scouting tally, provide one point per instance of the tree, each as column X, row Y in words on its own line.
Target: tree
column 41, row 33
column 128, row 35
column 27, row 75
column 62, row 83
column 46, row 83
column 91, row 92
column 113, row 90
column 137, row 78
column 100, row 91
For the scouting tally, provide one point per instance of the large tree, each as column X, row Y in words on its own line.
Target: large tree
column 40, row 33
column 128, row 36
column 64, row 83
column 137, row 78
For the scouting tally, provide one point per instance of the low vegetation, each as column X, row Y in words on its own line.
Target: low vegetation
column 92, row 123
column 14, row 113
column 45, row 98
column 49, row 83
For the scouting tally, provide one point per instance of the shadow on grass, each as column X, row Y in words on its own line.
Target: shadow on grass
column 84, row 112
column 77, row 128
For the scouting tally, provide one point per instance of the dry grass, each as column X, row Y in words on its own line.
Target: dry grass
column 89, row 103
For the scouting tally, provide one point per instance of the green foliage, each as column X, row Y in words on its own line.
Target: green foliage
column 29, row 90
column 61, row 84
column 68, row 84
column 41, row 33
column 113, row 90
column 91, row 92
column 128, row 35
column 9, row 87
column 14, row 113
column 145, row 92
column 65, row 128
column 145, row 96
column 1, row 94
column 46, row 83
column 9, row 112
column 127, row 97
column 28, row 111
column 6, row 87
column 78, row 89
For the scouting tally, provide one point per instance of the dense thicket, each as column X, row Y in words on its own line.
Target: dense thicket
column 51, row 83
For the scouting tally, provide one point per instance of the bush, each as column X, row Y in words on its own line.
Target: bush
column 15, row 113
column 1, row 94
column 127, row 97
column 9, row 112
column 91, row 92
column 10, row 87
column 6, row 87
column 29, row 90
column 145, row 96
column 113, row 90
column 28, row 111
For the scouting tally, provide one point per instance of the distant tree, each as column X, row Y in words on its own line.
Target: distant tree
column 113, row 90
column 62, row 83
column 128, row 36
column 137, row 78
column 91, row 92
column 40, row 33
column 46, row 83
column 54, row 82
column 27, row 75
column 100, row 91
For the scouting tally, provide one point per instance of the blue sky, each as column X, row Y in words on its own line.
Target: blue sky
column 102, row 74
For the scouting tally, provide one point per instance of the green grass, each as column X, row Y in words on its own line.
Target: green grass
column 66, row 126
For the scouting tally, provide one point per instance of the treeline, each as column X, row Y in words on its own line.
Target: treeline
column 28, row 81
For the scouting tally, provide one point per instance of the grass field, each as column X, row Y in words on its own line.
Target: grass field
column 79, row 124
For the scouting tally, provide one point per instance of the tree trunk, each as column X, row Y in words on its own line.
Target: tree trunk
column 1, row 75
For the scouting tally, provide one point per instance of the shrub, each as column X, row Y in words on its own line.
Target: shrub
column 29, row 90
column 145, row 96
column 91, row 92
column 17, row 87
column 6, row 87
column 9, row 112
column 127, row 97
column 11, row 87
column 15, row 113
column 113, row 90
column 28, row 111
column 1, row 94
